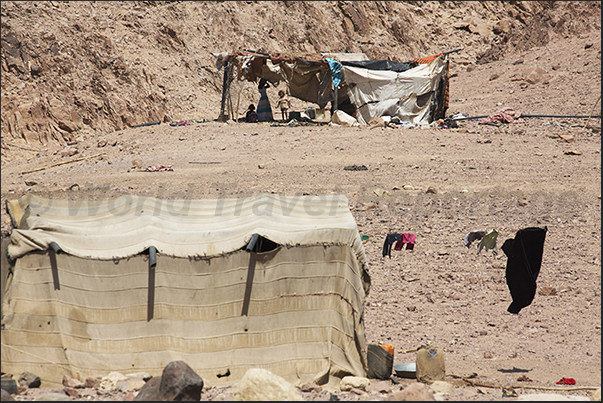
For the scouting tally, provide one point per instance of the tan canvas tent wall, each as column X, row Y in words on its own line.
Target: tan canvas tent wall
column 88, row 295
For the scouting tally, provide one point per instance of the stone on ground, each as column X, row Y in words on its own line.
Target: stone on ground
column 262, row 385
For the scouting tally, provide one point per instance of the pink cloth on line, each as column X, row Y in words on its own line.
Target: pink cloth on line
column 398, row 245
column 409, row 240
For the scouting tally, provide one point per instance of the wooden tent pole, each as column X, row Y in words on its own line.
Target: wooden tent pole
column 224, row 85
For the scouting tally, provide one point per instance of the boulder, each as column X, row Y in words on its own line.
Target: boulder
column 180, row 382
column 109, row 383
column 150, row 391
column 6, row 397
column 177, row 382
column 30, row 380
column 262, row 385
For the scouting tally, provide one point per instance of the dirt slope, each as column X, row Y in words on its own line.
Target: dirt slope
column 72, row 68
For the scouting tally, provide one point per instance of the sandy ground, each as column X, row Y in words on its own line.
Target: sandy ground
column 508, row 178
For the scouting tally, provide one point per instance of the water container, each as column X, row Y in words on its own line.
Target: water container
column 430, row 364
column 380, row 360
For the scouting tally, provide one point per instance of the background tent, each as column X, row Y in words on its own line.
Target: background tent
column 132, row 283
column 414, row 91
column 409, row 94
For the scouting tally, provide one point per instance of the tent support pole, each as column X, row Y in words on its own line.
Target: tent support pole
column 221, row 118
column 249, row 284
column 336, row 99
column 151, row 293
column 52, row 252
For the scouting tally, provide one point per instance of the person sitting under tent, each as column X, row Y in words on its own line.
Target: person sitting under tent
column 251, row 115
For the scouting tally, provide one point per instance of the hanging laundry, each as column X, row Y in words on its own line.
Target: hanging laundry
column 488, row 242
column 524, row 257
column 387, row 245
column 474, row 235
column 409, row 240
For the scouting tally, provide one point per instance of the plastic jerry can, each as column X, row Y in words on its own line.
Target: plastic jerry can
column 431, row 364
column 380, row 360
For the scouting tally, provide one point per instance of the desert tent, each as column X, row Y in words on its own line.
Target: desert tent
column 414, row 91
column 132, row 283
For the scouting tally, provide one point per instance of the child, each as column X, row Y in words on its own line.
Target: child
column 284, row 104
column 251, row 116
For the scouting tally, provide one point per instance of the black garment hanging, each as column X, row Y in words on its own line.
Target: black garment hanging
column 524, row 257
column 387, row 245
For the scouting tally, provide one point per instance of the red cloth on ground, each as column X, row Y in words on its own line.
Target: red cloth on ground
column 566, row 381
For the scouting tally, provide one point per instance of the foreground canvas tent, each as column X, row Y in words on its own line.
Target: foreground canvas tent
column 132, row 283
column 415, row 91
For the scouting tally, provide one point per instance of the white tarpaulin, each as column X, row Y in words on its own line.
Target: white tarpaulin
column 407, row 95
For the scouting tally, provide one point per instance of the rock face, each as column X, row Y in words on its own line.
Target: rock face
column 262, row 385
column 178, row 382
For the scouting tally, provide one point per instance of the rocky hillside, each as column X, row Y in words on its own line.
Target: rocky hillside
column 72, row 69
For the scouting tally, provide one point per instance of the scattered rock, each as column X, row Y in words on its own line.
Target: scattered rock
column 380, row 192
column 93, row 382
column 259, row 384
column 69, row 382
column 502, row 27
column 488, row 355
column 108, row 383
column 376, row 122
column 547, row 291
column 431, row 190
column 379, row 387
column 355, row 168
column 415, row 392
column 367, row 206
column 350, row 382
column 572, row 152
column 29, row 379
column 441, row 387
column 310, row 387
column 6, row 397
column 509, row 392
column 73, row 392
